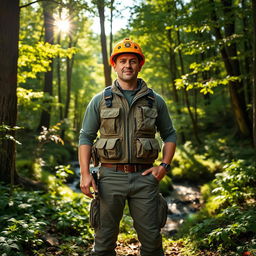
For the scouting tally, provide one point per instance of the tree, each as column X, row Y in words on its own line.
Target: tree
column 107, row 68
column 48, row 77
column 254, row 71
column 9, row 36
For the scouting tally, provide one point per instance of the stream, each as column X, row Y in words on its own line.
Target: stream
column 183, row 201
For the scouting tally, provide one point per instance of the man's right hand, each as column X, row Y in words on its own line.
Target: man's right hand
column 86, row 182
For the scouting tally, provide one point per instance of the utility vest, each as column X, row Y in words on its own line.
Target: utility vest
column 127, row 133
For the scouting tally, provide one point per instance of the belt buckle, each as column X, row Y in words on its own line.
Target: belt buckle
column 126, row 168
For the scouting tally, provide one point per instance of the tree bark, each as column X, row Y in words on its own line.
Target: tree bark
column 9, row 37
column 254, row 71
column 103, row 40
column 48, row 76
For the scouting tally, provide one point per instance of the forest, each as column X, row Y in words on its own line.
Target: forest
column 200, row 56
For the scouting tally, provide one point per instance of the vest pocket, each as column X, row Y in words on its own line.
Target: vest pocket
column 146, row 118
column 147, row 148
column 108, row 148
column 109, row 121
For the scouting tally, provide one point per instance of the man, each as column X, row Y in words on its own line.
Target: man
column 127, row 114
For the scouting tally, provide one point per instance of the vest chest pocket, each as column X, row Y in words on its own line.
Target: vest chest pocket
column 147, row 148
column 109, row 121
column 145, row 119
column 108, row 148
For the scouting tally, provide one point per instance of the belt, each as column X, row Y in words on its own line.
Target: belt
column 128, row 167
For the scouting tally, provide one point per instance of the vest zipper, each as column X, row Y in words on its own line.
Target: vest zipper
column 129, row 149
column 127, row 126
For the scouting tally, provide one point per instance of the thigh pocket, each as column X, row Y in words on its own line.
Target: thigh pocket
column 108, row 148
column 147, row 148
column 162, row 210
column 95, row 213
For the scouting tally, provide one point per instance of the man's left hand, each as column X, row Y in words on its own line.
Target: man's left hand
column 158, row 171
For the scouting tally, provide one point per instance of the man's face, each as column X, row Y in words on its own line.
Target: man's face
column 127, row 67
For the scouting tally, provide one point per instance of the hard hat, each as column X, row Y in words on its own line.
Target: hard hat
column 127, row 46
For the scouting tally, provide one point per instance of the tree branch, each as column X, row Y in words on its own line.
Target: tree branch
column 26, row 5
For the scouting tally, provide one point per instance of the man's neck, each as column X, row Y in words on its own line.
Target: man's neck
column 131, row 85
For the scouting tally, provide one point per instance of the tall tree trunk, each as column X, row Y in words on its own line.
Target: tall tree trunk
column 239, row 108
column 247, row 58
column 59, row 81
column 173, row 67
column 9, row 36
column 103, row 40
column 70, row 63
column 48, row 76
column 59, row 73
column 111, row 26
column 187, row 102
column 173, row 72
column 254, row 71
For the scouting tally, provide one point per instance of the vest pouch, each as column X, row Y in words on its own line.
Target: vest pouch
column 147, row 148
column 95, row 158
column 109, row 121
column 108, row 148
column 146, row 118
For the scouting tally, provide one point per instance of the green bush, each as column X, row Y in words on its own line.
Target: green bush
column 190, row 166
column 227, row 221
column 165, row 185
column 227, row 231
column 27, row 216
column 25, row 167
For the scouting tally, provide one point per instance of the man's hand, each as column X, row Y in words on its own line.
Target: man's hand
column 158, row 171
column 86, row 182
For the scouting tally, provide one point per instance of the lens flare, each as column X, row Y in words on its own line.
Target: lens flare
column 62, row 25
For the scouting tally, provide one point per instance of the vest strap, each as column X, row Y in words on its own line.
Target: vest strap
column 108, row 96
column 150, row 97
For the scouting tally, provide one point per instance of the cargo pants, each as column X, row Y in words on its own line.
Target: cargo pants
column 141, row 192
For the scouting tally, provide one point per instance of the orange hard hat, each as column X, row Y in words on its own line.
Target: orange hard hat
column 127, row 46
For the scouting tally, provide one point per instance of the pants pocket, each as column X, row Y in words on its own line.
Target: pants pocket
column 162, row 210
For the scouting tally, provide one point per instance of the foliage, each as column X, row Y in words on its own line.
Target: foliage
column 28, row 217
column 165, row 185
column 6, row 133
column 227, row 222
column 237, row 183
column 37, row 58
column 191, row 166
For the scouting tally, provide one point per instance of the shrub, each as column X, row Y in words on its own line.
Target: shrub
column 27, row 216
